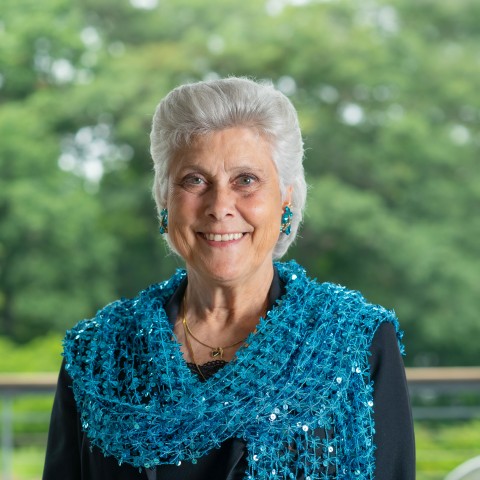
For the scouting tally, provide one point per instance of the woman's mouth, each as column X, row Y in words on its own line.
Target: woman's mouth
column 222, row 237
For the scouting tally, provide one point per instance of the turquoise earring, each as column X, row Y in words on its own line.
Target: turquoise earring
column 163, row 221
column 286, row 225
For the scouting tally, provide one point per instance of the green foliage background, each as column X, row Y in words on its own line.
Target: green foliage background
column 387, row 93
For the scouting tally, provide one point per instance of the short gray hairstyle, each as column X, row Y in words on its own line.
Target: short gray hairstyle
column 209, row 106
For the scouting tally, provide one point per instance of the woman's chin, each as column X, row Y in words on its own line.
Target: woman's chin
column 223, row 273
column 226, row 271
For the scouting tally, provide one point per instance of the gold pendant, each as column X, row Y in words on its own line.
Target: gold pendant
column 217, row 352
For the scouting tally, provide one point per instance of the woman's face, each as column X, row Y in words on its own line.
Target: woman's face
column 225, row 205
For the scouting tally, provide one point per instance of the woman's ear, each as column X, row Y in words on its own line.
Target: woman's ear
column 287, row 198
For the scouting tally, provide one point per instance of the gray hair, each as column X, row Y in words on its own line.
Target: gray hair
column 210, row 106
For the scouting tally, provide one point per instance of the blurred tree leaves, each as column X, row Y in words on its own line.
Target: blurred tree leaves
column 389, row 105
column 53, row 250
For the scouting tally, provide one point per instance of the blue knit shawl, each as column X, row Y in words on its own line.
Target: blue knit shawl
column 298, row 393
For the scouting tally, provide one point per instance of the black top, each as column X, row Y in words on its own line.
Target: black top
column 71, row 457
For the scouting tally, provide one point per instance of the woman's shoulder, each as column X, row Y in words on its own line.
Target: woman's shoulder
column 124, row 315
column 333, row 300
column 353, row 303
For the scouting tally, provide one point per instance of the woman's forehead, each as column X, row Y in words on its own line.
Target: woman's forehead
column 230, row 149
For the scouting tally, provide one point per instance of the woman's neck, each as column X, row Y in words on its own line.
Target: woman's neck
column 223, row 304
column 217, row 317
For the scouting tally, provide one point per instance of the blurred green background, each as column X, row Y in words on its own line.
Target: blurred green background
column 388, row 98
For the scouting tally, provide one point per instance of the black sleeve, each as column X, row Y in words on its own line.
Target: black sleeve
column 64, row 436
column 69, row 453
column 394, row 438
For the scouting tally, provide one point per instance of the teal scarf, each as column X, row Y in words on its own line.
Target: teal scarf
column 299, row 394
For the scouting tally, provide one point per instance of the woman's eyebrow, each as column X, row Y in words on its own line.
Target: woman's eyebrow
column 191, row 167
column 247, row 168
column 196, row 167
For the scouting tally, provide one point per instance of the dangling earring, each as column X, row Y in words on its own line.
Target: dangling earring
column 286, row 225
column 163, row 221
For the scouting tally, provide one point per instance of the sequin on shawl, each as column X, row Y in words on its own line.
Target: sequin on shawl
column 299, row 395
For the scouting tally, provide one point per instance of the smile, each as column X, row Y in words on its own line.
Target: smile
column 225, row 237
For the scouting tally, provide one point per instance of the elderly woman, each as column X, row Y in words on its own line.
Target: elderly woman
column 236, row 367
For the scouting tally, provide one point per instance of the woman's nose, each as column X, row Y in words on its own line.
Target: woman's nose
column 220, row 202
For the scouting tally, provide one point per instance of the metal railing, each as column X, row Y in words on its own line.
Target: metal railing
column 11, row 386
column 449, row 382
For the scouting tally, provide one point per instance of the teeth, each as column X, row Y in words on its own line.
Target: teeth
column 223, row 238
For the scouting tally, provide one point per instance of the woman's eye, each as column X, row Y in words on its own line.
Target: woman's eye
column 245, row 180
column 194, row 180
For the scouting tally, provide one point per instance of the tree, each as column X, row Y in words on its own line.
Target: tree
column 55, row 260
column 389, row 107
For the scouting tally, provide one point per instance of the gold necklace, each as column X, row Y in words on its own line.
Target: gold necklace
column 215, row 352
column 190, row 346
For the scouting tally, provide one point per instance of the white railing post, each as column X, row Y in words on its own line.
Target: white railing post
column 7, row 437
